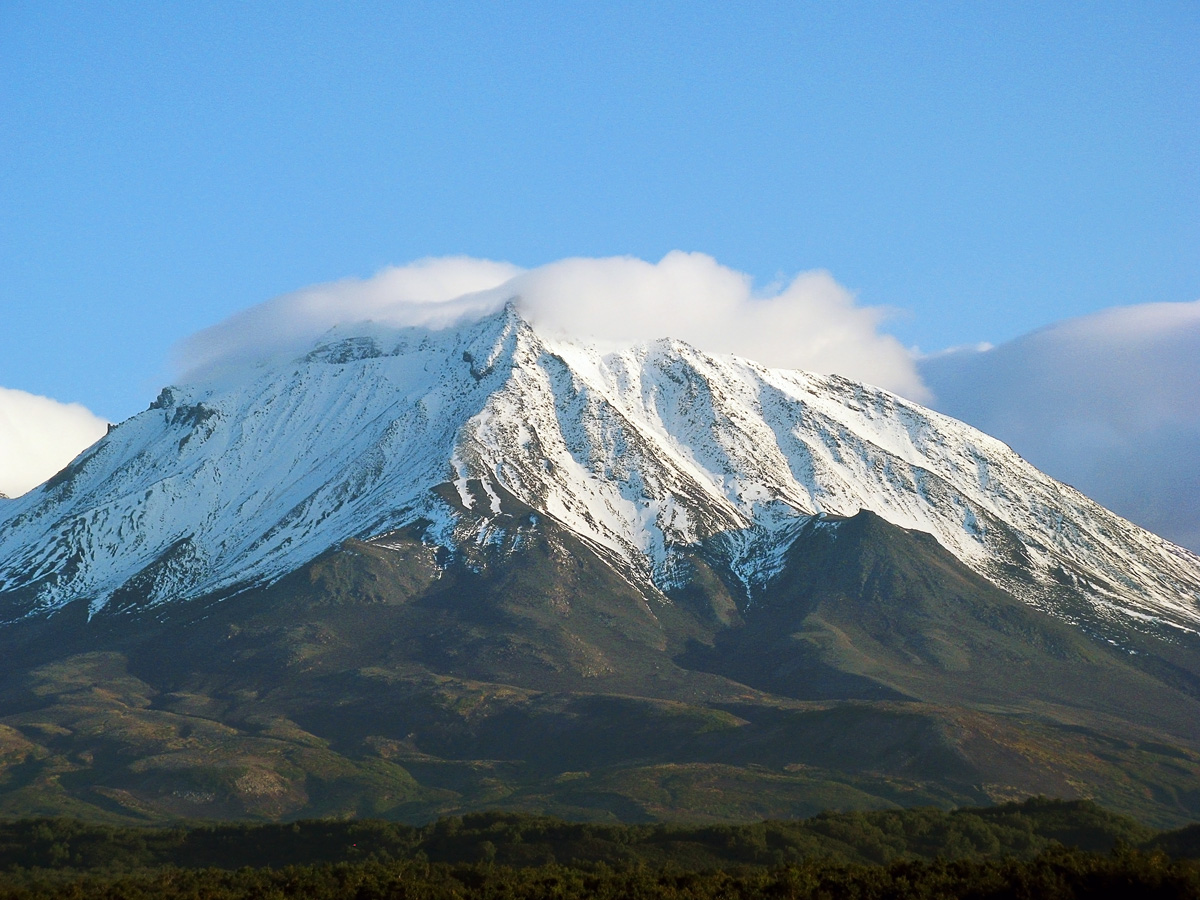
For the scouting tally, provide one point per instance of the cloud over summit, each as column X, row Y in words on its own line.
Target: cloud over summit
column 811, row 322
column 433, row 292
column 1108, row 402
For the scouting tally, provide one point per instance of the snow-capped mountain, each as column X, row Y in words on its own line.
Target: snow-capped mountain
column 649, row 455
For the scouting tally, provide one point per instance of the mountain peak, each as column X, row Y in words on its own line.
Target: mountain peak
column 653, row 456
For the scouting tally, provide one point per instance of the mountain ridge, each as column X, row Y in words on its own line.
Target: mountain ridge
column 644, row 453
column 414, row 573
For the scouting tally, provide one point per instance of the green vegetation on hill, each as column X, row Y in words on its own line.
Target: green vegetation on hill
column 881, row 837
column 1054, row 875
column 876, row 673
column 1039, row 848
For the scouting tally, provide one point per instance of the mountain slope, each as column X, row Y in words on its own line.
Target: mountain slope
column 645, row 454
column 419, row 572
column 370, row 681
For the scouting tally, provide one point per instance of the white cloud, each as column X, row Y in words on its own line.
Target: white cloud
column 810, row 323
column 38, row 436
column 432, row 292
column 1109, row 403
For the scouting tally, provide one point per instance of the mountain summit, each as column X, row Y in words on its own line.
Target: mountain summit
column 415, row 571
column 650, row 456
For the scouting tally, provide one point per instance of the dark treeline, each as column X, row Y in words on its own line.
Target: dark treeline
column 1058, row 874
column 1017, row 830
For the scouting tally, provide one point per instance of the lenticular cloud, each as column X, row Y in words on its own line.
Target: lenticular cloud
column 810, row 323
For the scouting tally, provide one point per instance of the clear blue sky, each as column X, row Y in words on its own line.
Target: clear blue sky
column 984, row 168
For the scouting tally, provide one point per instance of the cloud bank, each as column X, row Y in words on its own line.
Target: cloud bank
column 38, row 436
column 809, row 323
column 1109, row 403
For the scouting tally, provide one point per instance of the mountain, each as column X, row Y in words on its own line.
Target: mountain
column 644, row 455
column 413, row 571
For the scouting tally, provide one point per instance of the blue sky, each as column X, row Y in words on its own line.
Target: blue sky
column 983, row 169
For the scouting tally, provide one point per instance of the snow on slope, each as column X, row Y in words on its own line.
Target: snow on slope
column 644, row 453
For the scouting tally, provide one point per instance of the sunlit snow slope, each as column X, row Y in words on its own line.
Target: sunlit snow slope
column 649, row 455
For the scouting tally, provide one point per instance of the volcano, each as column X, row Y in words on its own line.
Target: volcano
column 413, row 571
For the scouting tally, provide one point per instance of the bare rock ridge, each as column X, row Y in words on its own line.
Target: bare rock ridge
column 645, row 455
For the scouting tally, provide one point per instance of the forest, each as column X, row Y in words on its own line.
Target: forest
column 1037, row 848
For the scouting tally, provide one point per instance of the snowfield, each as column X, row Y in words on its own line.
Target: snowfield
column 646, row 454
